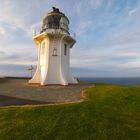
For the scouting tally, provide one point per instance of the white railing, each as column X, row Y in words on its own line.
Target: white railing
column 37, row 31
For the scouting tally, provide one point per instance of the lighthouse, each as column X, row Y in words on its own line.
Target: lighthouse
column 54, row 43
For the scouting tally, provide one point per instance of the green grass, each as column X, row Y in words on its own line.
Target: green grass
column 108, row 113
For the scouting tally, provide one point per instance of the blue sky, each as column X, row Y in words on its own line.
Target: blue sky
column 107, row 34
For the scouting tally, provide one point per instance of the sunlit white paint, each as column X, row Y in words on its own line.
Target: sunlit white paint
column 53, row 69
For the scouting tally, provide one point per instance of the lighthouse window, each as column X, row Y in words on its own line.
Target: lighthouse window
column 65, row 49
column 43, row 48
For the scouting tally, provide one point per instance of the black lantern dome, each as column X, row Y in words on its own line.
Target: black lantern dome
column 55, row 20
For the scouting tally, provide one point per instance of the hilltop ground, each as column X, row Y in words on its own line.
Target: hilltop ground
column 19, row 92
column 108, row 112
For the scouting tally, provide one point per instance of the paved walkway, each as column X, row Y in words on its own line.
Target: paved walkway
column 18, row 92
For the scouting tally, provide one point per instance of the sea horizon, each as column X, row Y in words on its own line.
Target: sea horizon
column 128, row 81
column 21, row 71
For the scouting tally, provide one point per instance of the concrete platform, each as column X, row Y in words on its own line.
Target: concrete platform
column 19, row 92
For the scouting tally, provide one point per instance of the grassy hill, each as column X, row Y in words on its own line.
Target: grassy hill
column 108, row 113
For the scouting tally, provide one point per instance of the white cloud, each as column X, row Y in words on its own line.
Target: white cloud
column 95, row 3
column 2, row 32
column 10, row 16
column 134, row 65
column 83, row 26
column 132, row 11
column 111, row 39
column 17, row 58
column 128, row 54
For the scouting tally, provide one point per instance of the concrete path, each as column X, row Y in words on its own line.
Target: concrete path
column 18, row 92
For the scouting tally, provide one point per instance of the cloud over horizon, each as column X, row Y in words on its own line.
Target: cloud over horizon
column 107, row 34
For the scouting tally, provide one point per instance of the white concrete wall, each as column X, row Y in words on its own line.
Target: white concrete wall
column 53, row 69
column 53, row 76
column 36, row 79
column 65, row 62
column 44, row 61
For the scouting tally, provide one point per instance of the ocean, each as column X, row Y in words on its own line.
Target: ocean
column 117, row 81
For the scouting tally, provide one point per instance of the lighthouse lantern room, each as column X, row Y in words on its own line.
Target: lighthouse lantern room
column 54, row 43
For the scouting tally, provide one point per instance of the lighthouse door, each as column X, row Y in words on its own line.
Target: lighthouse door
column 42, row 59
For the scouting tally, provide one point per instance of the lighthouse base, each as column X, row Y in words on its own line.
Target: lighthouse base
column 36, row 80
column 52, row 78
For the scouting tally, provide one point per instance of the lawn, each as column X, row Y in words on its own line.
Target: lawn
column 108, row 113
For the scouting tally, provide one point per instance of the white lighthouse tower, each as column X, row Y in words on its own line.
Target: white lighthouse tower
column 54, row 42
